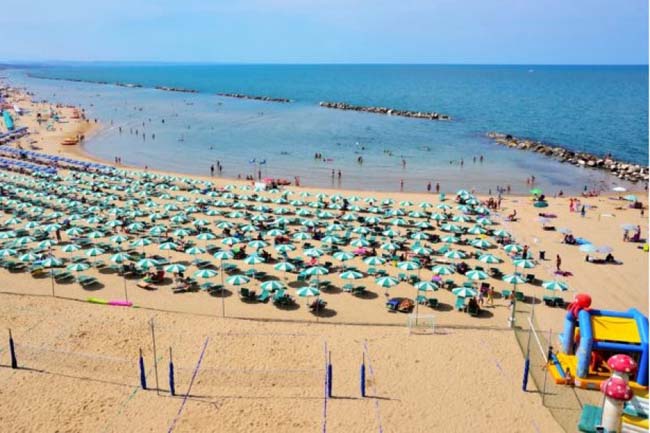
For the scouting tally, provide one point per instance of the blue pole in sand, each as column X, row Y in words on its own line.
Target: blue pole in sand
column 12, row 350
column 526, row 370
column 362, row 376
column 172, row 386
column 329, row 375
column 143, row 376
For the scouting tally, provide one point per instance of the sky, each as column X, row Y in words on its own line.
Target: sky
column 328, row 31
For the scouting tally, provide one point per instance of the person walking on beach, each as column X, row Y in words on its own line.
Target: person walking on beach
column 490, row 296
column 429, row 187
column 401, row 185
column 339, row 175
column 583, row 211
column 437, row 187
column 558, row 263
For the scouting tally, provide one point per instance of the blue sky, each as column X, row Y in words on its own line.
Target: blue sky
column 329, row 31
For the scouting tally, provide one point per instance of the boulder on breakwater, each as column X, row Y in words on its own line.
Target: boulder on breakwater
column 386, row 111
column 621, row 169
column 176, row 89
column 253, row 97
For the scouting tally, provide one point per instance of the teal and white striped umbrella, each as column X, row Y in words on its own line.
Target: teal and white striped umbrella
column 351, row 275
column 120, row 258
column 181, row 233
column 314, row 252
column 284, row 248
column 168, row 246
column 316, row 270
column 361, row 242
column 331, row 239
column 51, row 262
column 257, row 244
column 476, row 275
column 29, row 257
column 142, row 242
column 74, row 231
column 195, row 251
column 451, row 228
column 461, row 218
column 146, row 263
column 438, row 216
column 513, row 248
column 481, row 243
column 421, row 251
column 47, row 243
column 386, row 282
column 93, row 252
column 237, row 280
column 502, row 234
column 454, row 254
column 390, row 233
column 275, row 232
column 442, row 270
column 272, row 285
column 23, row 240
column 301, row 236
column 513, row 279
column 206, row 236
column 555, row 285
column 476, row 230
column 408, row 266
column 464, row 292
column 524, row 263
column 284, row 267
column 420, row 236
column 374, row 261
column 484, row 221
column 205, row 273
column 118, row 239
column 307, row 291
column 223, row 255
column 225, row 225
column 489, row 259
column 450, row 239
column 343, row 256
column 426, row 286
column 389, row 246
column 77, row 267
column 254, row 259
column 175, row 268
column 230, row 241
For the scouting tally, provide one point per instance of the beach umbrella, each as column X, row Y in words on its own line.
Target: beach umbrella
column 481, row 243
column 386, row 282
column 49, row 263
column 389, row 246
column 74, row 231
column 442, row 270
column 181, row 233
column 476, row 275
column 374, row 261
column 307, row 292
column 118, row 239
column 419, row 236
column 489, row 259
column 12, row 221
column 223, row 255
column 205, row 236
column 449, row 239
column 284, row 267
column 420, row 251
column 237, row 280
column 316, row 271
column 8, row 234
column 23, row 240
column 146, row 263
column 360, row 242
column 514, row 279
column 513, row 248
column 78, row 267
column 463, row 292
column 630, row 197
column 555, row 285
column 272, row 285
column 257, row 244
column 524, row 263
column 93, row 252
column 454, row 254
column 254, row 259
column 408, row 266
column 47, row 243
column 351, row 275
column 29, row 257
column 484, row 221
column 175, row 268
column 502, row 234
column 156, row 231
column 390, row 233
column 426, row 286
column 195, row 251
column 120, row 258
column 451, row 227
column 205, row 273
column 301, row 236
column 168, row 246
column 284, row 248
column 343, row 256
column 225, row 225
column 476, row 230
column 230, row 241
column 314, row 252
column 461, row 219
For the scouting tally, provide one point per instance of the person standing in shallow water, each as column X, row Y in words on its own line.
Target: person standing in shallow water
column 429, row 187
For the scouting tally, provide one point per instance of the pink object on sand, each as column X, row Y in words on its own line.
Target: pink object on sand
column 120, row 303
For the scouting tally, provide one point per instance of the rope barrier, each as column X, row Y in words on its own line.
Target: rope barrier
column 374, row 386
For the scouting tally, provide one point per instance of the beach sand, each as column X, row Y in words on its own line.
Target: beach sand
column 467, row 377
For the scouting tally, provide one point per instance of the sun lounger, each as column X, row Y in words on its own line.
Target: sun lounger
column 432, row 302
column 246, row 294
column 421, row 299
column 86, row 280
column 143, row 284
column 359, row 291
column 263, row 296
column 62, row 275
column 459, row 304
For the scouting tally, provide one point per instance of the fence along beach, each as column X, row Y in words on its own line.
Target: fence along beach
column 336, row 241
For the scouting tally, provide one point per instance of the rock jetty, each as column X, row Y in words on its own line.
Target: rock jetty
column 386, row 111
column 253, row 97
column 176, row 89
column 621, row 169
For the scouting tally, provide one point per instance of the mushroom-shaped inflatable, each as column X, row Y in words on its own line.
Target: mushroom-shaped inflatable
column 617, row 391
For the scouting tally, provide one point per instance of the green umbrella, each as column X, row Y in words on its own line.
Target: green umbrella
column 314, row 252
column 78, row 267
column 450, row 239
column 351, row 275
column 316, row 270
column 374, row 261
column 442, row 270
column 230, row 241
column 195, row 251
column 524, row 263
column 120, row 258
column 426, row 286
column 118, row 239
column 386, row 282
column 284, row 248
column 513, row 248
column 481, row 243
column 74, row 231
column 555, row 285
column 284, row 266
column 301, row 236
column 205, row 273
column 489, row 259
column 254, row 259
column 463, row 292
column 237, row 280
column 146, row 263
column 502, row 234
column 257, row 244
column 307, row 291
column 142, row 242
column 223, row 255
column 272, row 285
column 175, row 268
column 513, row 279
column 94, row 252
column 168, row 246
column 205, row 236
column 361, row 242
column 408, row 266
column 476, row 275
column 47, row 243
column 51, row 262
column 29, row 257
column 454, row 254
column 6, row 252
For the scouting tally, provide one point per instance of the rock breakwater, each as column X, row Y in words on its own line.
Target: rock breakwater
column 621, row 169
column 254, row 97
column 386, row 111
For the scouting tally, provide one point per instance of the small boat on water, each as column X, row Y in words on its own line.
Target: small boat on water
column 70, row 141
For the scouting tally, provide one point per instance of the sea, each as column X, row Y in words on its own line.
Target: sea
column 597, row 109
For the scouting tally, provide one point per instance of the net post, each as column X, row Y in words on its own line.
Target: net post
column 172, row 386
column 143, row 376
column 329, row 375
column 12, row 350
column 362, row 376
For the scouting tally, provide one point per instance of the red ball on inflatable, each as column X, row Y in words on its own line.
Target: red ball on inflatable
column 581, row 301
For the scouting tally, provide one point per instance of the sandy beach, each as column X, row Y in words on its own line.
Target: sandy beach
column 263, row 368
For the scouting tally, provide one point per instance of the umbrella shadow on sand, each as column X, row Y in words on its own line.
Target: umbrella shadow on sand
column 324, row 313
column 224, row 293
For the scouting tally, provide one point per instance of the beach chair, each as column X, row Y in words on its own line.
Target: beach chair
column 246, row 294
column 62, row 275
column 432, row 302
column 348, row 287
column 263, row 296
column 87, row 280
column 519, row 296
column 421, row 299
column 392, row 304
column 506, row 293
column 459, row 304
column 359, row 291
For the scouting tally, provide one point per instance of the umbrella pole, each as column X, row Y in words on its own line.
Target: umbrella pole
column 417, row 306
column 223, row 297
column 511, row 320
column 52, row 279
column 126, row 293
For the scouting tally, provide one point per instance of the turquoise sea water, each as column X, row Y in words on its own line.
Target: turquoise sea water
column 591, row 108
